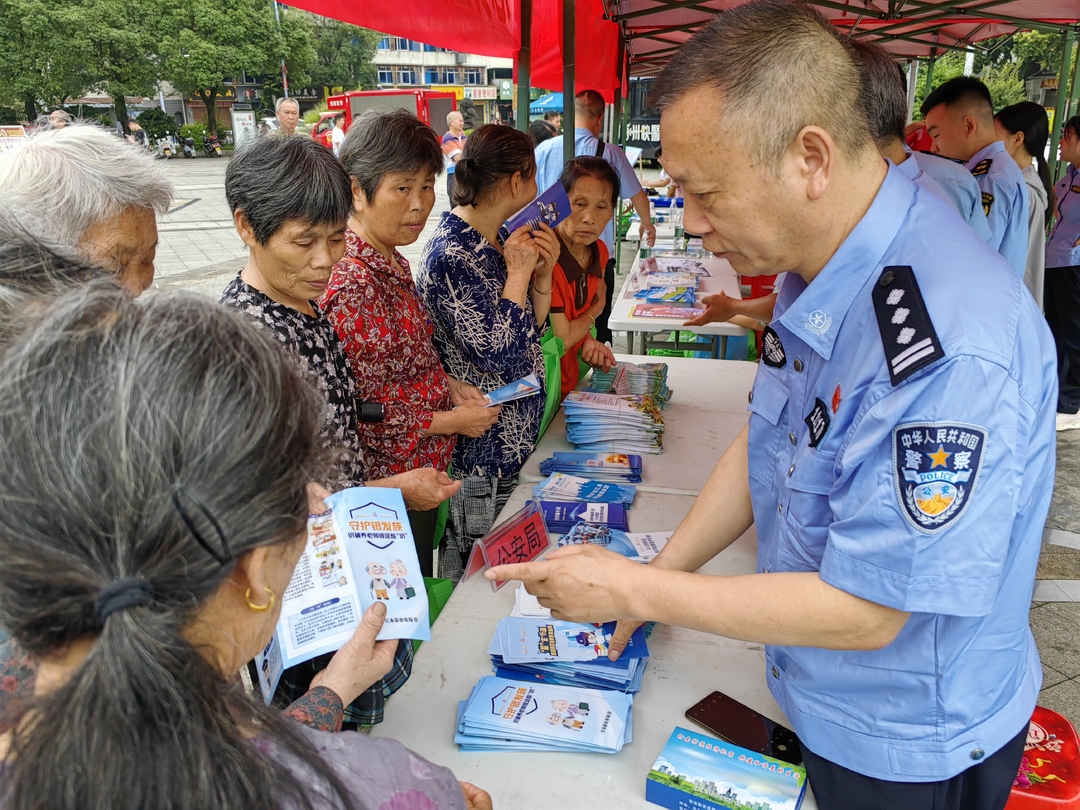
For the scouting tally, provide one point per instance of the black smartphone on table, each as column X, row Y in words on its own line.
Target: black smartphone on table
column 739, row 724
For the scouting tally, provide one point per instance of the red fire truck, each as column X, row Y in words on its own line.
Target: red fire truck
column 430, row 106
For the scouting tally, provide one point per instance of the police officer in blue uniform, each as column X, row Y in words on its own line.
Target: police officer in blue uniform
column 885, row 100
column 1062, row 294
column 899, row 457
column 959, row 117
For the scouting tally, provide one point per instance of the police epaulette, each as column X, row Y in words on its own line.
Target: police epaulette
column 982, row 167
column 907, row 333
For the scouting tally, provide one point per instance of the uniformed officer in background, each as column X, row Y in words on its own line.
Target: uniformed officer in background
column 899, row 457
column 885, row 100
column 959, row 116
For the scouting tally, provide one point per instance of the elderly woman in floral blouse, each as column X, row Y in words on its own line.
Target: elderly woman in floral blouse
column 489, row 292
column 392, row 159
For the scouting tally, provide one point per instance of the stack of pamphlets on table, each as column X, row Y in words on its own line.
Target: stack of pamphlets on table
column 561, row 516
column 671, row 296
column 613, row 424
column 639, row 546
column 563, row 487
column 506, row 715
column 616, row 468
column 566, row 653
column 649, row 379
column 649, row 280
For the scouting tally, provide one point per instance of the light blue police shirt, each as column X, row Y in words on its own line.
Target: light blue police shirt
column 549, row 166
column 1063, row 247
column 928, row 496
column 958, row 186
column 1005, row 202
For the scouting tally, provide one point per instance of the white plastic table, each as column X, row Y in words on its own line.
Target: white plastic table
column 708, row 410
column 723, row 278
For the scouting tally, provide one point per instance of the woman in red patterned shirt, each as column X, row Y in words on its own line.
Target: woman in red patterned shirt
column 393, row 159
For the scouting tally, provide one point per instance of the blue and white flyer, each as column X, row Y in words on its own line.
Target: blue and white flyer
column 501, row 715
column 550, row 208
column 359, row 552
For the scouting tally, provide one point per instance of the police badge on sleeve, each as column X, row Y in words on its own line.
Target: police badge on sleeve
column 936, row 467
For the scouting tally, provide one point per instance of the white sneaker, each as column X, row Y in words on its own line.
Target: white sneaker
column 1068, row 421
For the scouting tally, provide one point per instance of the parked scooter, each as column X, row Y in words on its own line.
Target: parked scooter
column 189, row 147
column 212, row 146
column 164, row 147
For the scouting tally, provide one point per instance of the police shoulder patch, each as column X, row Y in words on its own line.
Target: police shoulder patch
column 1075, row 189
column 987, row 201
column 935, row 470
column 772, row 349
column 907, row 333
column 982, row 167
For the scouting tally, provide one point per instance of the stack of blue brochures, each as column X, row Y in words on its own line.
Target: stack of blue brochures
column 562, row 487
column 568, row 653
column 505, row 715
column 614, row 467
column 561, row 516
column 609, row 423
column 626, row 379
column 638, row 546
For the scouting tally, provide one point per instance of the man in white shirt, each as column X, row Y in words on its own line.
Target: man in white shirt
column 337, row 136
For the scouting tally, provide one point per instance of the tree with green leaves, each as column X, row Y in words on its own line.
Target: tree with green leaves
column 345, row 54
column 39, row 65
column 203, row 42
column 114, row 41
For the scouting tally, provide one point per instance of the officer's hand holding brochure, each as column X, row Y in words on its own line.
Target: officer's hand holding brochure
column 359, row 552
column 550, row 208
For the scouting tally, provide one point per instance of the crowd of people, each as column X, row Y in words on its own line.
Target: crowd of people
column 159, row 454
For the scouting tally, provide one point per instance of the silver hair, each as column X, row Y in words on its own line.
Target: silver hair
column 450, row 116
column 62, row 181
column 282, row 100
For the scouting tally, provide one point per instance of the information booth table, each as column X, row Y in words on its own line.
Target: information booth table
column 707, row 411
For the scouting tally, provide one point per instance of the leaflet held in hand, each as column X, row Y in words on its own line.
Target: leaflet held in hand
column 359, row 552
column 550, row 208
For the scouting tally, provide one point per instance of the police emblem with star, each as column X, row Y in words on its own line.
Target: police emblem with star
column 935, row 468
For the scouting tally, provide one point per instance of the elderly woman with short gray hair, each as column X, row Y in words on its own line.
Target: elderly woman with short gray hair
column 392, row 159
column 144, row 572
column 81, row 187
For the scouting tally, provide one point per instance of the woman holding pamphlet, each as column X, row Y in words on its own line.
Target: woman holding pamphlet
column 489, row 292
column 579, row 293
column 291, row 201
column 392, row 159
column 152, row 562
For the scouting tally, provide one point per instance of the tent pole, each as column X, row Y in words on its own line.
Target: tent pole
column 569, row 42
column 912, row 85
column 524, row 65
column 1062, row 106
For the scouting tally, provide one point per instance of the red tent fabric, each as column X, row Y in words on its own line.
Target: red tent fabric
column 596, row 57
column 486, row 27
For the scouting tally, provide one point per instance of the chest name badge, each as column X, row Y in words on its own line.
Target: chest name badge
column 1076, row 189
column 907, row 333
column 772, row 350
column 936, row 466
column 818, row 422
column 982, row 167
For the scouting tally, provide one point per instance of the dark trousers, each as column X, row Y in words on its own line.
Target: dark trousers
column 450, row 188
column 423, row 532
column 1061, row 300
column 984, row 786
column 603, row 333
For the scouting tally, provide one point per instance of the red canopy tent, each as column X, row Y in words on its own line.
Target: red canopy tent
column 597, row 44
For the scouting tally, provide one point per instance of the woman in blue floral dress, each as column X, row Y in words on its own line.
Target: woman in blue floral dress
column 488, row 292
